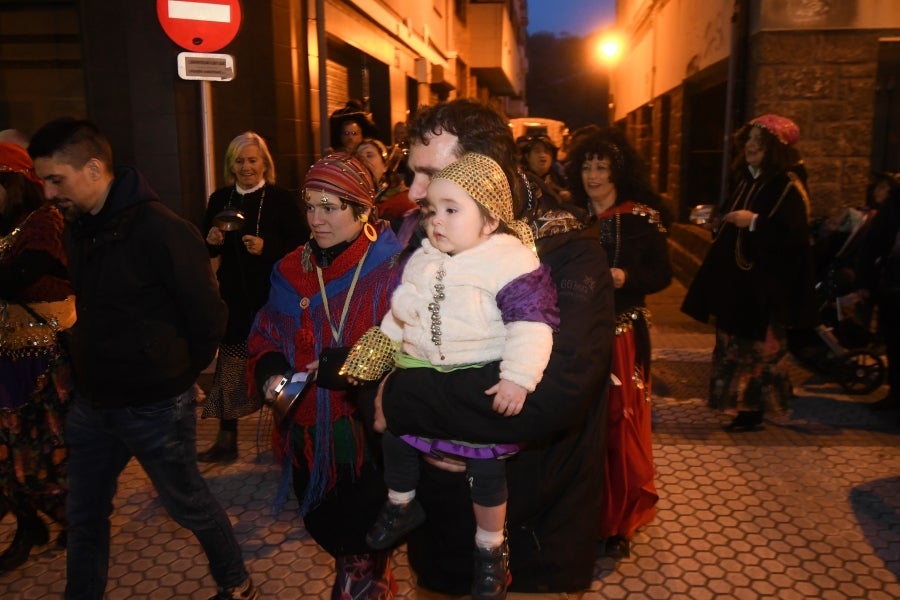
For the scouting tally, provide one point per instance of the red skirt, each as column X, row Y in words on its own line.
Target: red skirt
column 629, row 496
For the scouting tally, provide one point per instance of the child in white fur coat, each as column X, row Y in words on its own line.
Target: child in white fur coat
column 471, row 296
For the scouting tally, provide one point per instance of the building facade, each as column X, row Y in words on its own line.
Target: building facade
column 295, row 62
column 693, row 71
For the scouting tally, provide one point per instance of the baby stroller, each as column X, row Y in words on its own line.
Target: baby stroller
column 843, row 344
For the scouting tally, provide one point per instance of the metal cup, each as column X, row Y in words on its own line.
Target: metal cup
column 229, row 219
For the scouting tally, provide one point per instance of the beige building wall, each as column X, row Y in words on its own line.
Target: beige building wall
column 816, row 63
column 665, row 41
column 478, row 52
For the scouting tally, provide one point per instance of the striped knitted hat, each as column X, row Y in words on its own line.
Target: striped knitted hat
column 344, row 176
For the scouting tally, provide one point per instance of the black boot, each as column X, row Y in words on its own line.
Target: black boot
column 617, row 547
column 491, row 575
column 393, row 523
column 30, row 532
column 746, row 420
column 224, row 450
column 55, row 509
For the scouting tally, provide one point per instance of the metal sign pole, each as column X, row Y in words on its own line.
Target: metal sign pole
column 208, row 153
column 322, row 49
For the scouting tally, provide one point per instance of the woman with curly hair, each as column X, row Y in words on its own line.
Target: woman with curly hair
column 607, row 177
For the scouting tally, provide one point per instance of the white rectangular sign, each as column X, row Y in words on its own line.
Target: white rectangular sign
column 199, row 11
column 209, row 67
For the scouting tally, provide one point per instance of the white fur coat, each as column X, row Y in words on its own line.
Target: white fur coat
column 471, row 325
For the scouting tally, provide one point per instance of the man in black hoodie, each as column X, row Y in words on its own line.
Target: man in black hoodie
column 149, row 320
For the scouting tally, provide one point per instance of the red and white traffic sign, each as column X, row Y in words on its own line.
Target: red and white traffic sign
column 200, row 26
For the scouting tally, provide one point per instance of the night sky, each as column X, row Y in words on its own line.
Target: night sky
column 577, row 17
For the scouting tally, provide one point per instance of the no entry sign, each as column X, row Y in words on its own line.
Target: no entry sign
column 200, row 26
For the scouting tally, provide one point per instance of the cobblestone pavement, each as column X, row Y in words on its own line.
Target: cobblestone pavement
column 809, row 507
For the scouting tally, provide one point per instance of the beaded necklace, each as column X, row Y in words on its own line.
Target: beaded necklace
column 435, row 308
column 262, row 199
column 9, row 240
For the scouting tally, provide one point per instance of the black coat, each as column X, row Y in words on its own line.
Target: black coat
column 555, row 482
column 244, row 277
column 635, row 241
column 751, row 279
column 149, row 312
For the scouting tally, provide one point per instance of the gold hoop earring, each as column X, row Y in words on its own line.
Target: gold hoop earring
column 370, row 232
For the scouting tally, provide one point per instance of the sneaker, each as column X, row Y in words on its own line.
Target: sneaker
column 491, row 577
column 245, row 591
column 393, row 522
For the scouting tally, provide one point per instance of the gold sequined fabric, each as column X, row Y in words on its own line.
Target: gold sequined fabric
column 24, row 336
column 524, row 233
column 371, row 356
column 483, row 179
column 625, row 321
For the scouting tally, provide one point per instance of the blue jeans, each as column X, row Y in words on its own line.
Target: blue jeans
column 163, row 437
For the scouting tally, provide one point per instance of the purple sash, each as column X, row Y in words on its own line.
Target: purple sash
column 463, row 450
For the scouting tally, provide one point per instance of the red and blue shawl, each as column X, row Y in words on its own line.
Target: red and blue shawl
column 294, row 324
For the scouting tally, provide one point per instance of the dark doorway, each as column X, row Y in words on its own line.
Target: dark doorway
column 886, row 127
column 704, row 124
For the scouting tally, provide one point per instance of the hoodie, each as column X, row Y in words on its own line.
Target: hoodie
column 149, row 312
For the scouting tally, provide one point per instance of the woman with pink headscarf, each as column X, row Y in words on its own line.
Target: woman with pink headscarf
column 757, row 278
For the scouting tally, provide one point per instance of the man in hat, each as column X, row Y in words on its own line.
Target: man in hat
column 349, row 126
column 539, row 155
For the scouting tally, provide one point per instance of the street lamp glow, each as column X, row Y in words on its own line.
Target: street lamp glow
column 609, row 48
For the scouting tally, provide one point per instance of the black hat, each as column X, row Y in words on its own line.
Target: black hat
column 352, row 111
column 527, row 143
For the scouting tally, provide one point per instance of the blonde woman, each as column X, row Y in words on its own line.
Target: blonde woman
column 250, row 224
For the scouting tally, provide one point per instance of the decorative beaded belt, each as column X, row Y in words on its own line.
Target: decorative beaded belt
column 625, row 320
column 23, row 335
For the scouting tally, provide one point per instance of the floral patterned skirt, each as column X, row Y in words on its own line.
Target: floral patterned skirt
column 32, row 449
column 746, row 373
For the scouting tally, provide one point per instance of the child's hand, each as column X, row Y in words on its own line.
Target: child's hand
column 509, row 397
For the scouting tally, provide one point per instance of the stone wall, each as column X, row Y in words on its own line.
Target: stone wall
column 825, row 81
column 655, row 131
column 675, row 109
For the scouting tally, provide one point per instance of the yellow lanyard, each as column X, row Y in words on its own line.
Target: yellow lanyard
column 336, row 333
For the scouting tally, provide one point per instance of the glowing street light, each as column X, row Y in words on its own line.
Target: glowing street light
column 609, row 49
